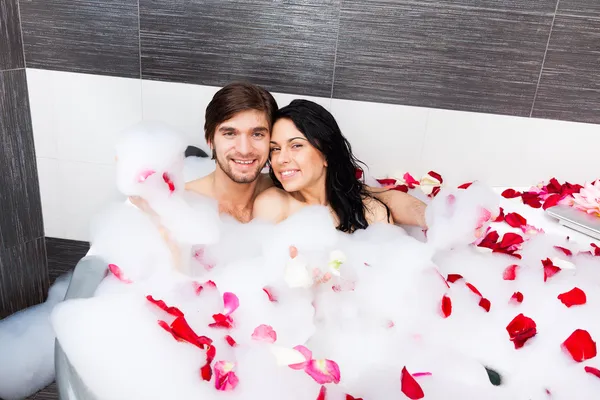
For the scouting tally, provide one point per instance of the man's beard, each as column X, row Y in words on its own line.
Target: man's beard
column 250, row 177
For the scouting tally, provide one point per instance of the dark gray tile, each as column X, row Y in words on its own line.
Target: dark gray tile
column 89, row 36
column 20, row 204
column 286, row 46
column 23, row 276
column 63, row 255
column 590, row 8
column 48, row 393
column 529, row 6
column 569, row 88
column 422, row 55
column 11, row 46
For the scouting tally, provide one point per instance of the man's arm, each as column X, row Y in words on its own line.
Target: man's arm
column 405, row 209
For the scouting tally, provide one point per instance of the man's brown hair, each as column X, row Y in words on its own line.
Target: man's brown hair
column 234, row 98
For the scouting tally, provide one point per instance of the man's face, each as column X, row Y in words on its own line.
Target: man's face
column 241, row 145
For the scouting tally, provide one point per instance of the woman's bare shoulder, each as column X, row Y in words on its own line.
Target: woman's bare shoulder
column 376, row 212
column 272, row 205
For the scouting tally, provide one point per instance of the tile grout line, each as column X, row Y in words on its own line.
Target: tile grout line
column 337, row 38
column 12, row 69
column 140, row 58
column 537, row 87
column 21, row 33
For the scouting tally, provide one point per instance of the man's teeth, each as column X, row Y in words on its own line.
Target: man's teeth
column 243, row 162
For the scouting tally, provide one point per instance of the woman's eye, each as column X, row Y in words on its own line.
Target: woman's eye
column 296, row 146
column 274, row 149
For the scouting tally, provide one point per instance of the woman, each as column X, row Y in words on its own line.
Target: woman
column 311, row 163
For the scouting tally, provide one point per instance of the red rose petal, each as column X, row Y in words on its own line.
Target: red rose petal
column 454, row 277
column 269, row 292
column 510, row 194
column 574, row 297
column 410, row 181
column 515, row 220
column 222, row 321
column 564, row 250
column 549, row 269
column 465, row 185
column 435, row 191
column 446, row 306
column 358, row 173
column 490, row 240
column 348, row 397
column 118, row 273
column 510, row 273
column 322, row 393
column 401, row 188
column 531, row 199
column 474, row 289
column 517, row 296
column 580, row 345
column 596, row 250
column 436, row 176
column 510, row 240
column 409, row 386
column 230, row 341
column 552, row 201
column 485, row 304
column 169, row 182
column 163, row 306
column 520, row 330
column 501, row 216
column 593, row 371
column 386, row 182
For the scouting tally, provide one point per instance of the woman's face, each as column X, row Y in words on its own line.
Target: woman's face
column 296, row 163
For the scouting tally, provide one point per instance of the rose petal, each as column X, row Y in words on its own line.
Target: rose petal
column 118, row 273
column 230, row 341
column 517, row 296
column 387, row 181
column 549, row 269
column 596, row 250
column 500, row 216
column 225, row 377
column 358, row 173
column 531, row 199
column 401, row 188
column 410, row 181
column 163, row 306
column 323, row 371
column 264, row 333
column 485, row 304
column 322, row 393
column 169, row 182
column 435, row 191
column 593, row 371
column 510, row 194
column 269, row 292
column 490, row 240
column 574, row 297
column 348, row 397
column 454, row 277
column 183, row 330
column 231, row 302
column 474, row 289
column 145, row 174
column 465, row 185
column 515, row 220
column 446, row 306
column 307, row 355
column 510, row 240
column 436, row 176
column 510, row 273
column 409, row 386
column 552, row 201
column 289, row 357
column 520, row 330
column 564, row 250
column 580, row 345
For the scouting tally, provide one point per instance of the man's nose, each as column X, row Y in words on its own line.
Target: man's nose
column 244, row 146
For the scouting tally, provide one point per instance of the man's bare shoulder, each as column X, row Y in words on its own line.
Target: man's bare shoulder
column 272, row 205
column 201, row 186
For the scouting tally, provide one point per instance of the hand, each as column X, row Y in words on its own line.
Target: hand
column 143, row 205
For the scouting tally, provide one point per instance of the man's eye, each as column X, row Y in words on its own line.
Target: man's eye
column 259, row 134
column 229, row 134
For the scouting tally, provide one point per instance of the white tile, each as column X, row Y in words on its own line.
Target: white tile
column 82, row 113
column 180, row 105
column 40, row 84
column 85, row 189
column 387, row 138
column 283, row 99
column 50, row 191
column 509, row 151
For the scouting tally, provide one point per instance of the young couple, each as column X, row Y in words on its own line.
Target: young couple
column 310, row 163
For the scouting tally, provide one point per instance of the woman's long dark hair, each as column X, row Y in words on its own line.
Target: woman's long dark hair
column 345, row 193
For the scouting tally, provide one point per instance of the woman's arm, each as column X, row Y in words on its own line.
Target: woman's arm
column 271, row 205
column 405, row 209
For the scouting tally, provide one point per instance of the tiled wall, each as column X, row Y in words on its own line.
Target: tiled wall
column 505, row 91
column 23, row 268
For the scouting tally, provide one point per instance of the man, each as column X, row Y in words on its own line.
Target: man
column 237, row 128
